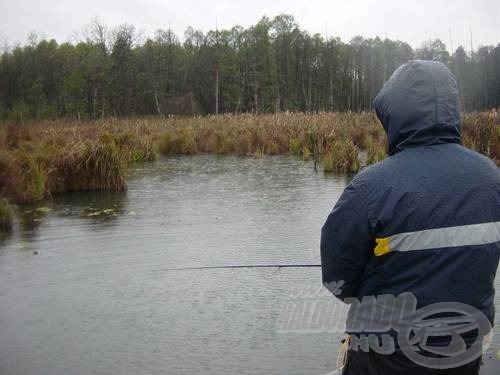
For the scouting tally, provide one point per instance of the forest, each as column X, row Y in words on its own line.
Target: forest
column 272, row 66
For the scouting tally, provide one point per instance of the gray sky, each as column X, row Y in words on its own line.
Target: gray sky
column 411, row 21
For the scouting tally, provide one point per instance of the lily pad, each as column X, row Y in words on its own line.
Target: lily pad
column 43, row 209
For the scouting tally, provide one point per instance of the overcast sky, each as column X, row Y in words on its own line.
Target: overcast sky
column 411, row 21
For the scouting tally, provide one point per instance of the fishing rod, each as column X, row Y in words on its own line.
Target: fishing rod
column 279, row 266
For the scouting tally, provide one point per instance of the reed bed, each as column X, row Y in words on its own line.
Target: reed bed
column 38, row 160
column 44, row 158
column 481, row 132
column 334, row 138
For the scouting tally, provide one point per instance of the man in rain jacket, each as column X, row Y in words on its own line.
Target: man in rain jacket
column 424, row 222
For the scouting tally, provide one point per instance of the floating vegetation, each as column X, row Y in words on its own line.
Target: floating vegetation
column 43, row 209
column 94, row 212
column 32, row 215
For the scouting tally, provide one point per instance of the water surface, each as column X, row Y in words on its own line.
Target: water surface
column 96, row 298
column 84, row 285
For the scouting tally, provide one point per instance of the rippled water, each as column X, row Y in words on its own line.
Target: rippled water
column 97, row 298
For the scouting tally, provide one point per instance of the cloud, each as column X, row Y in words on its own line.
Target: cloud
column 410, row 21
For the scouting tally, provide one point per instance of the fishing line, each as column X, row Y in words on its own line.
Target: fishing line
column 243, row 266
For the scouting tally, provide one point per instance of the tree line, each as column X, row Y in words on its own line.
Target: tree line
column 269, row 67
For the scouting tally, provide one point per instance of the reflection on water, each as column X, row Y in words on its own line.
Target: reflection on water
column 98, row 208
column 97, row 299
column 31, row 216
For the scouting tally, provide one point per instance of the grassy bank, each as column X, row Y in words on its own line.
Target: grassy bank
column 44, row 158
column 338, row 137
column 41, row 159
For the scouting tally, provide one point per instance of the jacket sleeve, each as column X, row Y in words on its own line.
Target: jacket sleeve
column 346, row 243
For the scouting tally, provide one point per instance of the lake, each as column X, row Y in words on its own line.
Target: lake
column 97, row 297
column 85, row 285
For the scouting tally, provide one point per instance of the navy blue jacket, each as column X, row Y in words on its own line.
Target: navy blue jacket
column 426, row 220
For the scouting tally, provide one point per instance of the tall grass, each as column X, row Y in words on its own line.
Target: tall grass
column 342, row 157
column 89, row 165
column 178, row 142
column 27, row 177
column 481, row 132
column 44, row 158
column 305, row 135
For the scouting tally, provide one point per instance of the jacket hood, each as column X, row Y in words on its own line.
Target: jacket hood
column 419, row 105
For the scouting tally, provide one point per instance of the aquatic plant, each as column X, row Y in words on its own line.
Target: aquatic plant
column 221, row 142
column 481, row 132
column 44, row 158
column 306, row 153
column 6, row 217
column 26, row 177
column 90, row 165
column 138, row 147
column 375, row 152
column 328, row 162
column 294, row 146
column 178, row 142
column 341, row 157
